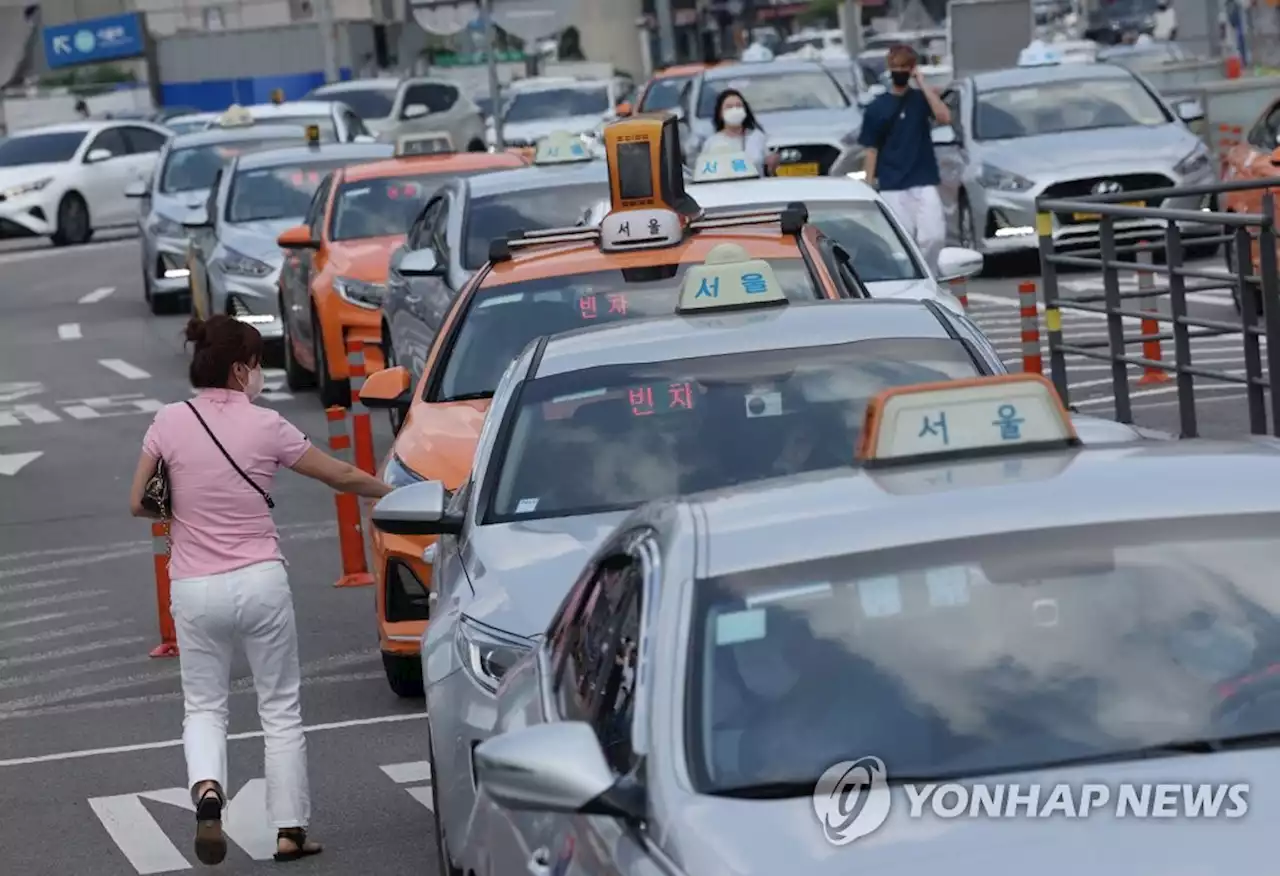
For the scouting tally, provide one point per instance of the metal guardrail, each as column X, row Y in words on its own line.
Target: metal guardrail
column 1231, row 106
column 1258, row 293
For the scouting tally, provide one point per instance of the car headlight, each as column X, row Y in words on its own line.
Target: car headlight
column 488, row 653
column 1197, row 161
column 991, row 177
column 367, row 295
column 233, row 262
column 163, row 226
column 397, row 474
column 25, row 188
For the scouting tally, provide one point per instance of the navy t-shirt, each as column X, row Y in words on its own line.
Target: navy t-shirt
column 906, row 159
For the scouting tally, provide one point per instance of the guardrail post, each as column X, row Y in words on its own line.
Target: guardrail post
column 960, row 289
column 1150, row 327
column 1270, row 304
column 1115, row 322
column 1030, row 313
column 1052, row 315
column 355, row 572
column 1249, row 303
column 1181, row 334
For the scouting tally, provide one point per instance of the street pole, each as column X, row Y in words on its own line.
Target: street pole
column 850, row 13
column 491, row 61
column 1211, row 12
column 666, row 32
column 328, row 38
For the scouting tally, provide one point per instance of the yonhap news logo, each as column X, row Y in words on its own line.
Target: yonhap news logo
column 852, row 799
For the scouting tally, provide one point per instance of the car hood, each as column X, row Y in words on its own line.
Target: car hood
column 365, row 259
column 1091, row 153
column 531, row 132
column 1097, row 430
column 809, row 126
column 739, row 837
column 522, row 571
column 29, row 173
column 258, row 239
column 925, row 289
column 179, row 205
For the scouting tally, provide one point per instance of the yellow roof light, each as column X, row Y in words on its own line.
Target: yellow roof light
column 235, row 116
column 723, row 166
column 561, row 147
column 985, row 416
column 730, row 279
column 430, row 143
column 313, row 135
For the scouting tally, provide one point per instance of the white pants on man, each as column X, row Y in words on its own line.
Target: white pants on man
column 919, row 210
column 254, row 606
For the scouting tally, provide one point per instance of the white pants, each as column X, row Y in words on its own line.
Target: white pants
column 252, row 605
column 920, row 212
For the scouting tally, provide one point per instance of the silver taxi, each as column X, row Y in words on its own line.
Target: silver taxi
column 731, row 671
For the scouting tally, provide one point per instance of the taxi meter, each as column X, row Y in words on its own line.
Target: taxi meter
column 645, row 166
column 985, row 416
column 430, row 143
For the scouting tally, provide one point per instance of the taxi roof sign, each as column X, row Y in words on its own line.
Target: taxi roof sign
column 985, row 416
column 313, row 135
column 723, row 166
column 235, row 116
column 430, row 143
column 729, row 279
column 561, row 147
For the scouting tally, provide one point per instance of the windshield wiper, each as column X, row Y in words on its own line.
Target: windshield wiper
column 469, row 396
column 768, row 791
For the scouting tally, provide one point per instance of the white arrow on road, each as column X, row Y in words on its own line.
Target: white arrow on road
column 62, row 45
column 12, row 463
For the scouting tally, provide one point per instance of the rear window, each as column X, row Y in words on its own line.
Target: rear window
column 40, row 148
column 663, row 94
column 193, row 168
column 501, row 215
column 378, row 207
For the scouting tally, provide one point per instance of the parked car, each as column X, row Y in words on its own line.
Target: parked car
column 392, row 108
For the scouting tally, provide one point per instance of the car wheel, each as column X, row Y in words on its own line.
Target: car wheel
column 404, row 675
column 74, row 227
column 445, row 865
column 333, row 393
column 477, row 146
column 296, row 377
column 389, row 361
column 968, row 233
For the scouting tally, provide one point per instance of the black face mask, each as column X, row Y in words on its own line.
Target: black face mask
column 900, row 77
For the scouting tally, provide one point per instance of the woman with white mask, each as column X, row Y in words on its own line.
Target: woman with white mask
column 207, row 466
column 738, row 131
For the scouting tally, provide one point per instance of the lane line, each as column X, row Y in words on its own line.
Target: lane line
column 177, row 743
column 139, row 543
column 78, row 669
column 66, row 632
column 97, row 295
column 70, row 651
column 71, row 596
column 69, row 331
column 32, row 585
column 124, row 369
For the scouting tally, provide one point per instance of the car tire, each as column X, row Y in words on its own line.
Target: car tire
column 333, row 393
column 296, row 377
column 74, row 224
column 404, row 675
column 389, row 361
column 476, row 146
column 444, row 864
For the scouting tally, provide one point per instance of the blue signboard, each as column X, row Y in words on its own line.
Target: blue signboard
column 94, row 40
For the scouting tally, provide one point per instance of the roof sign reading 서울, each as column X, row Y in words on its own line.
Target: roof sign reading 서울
column 561, row 147
column 640, row 229
column 723, row 166
column 431, row 143
column 94, row 40
column 729, row 279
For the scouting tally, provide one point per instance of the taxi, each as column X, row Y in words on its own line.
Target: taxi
column 333, row 282
column 543, row 283
column 1016, row 607
column 1257, row 158
column 665, row 90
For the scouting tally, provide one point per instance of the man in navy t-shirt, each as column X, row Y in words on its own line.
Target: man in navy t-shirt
column 897, row 134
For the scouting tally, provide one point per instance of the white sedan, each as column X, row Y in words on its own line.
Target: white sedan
column 67, row 181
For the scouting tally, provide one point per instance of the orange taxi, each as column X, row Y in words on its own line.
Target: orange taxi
column 544, row 283
column 1257, row 158
column 334, row 278
column 663, row 91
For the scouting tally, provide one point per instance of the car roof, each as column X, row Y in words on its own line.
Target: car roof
column 916, row 504
column 385, row 83
column 803, row 324
column 307, row 154
column 768, row 68
column 1069, row 72
column 83, row 127
column 292, row 108
column 780, row 190
column 239, row 135
column 458, row 162
column 534, row 178
column 554, row 83
column 565, row 260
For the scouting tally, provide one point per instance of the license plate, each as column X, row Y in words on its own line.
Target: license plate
column 809, row 169
column 1097, row 217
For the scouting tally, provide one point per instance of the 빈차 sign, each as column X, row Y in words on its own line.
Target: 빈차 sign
column 94, row 40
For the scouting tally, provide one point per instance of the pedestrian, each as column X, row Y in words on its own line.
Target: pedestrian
column 897, row 133
column 220, row 452
column 82, row 108
column 737, row 130
column 1165, row 24
column 277, row 96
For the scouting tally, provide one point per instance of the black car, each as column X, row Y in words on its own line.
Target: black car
column 1114, row 18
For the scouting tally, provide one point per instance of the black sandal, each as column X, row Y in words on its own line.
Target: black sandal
column 211, row 843
column 297, row 836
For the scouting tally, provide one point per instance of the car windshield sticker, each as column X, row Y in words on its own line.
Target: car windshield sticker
column 526, row 506
column 880, row 597
column 740, row 626
column 791, row 594
column 948, row 586
column 766, row 403
column 357, row 193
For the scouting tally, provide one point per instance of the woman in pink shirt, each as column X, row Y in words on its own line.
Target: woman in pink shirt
column 221, row 452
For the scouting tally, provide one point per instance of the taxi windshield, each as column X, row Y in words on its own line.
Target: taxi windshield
column 40, row 148
column 768, row 92
column 187, row 124
column 270, row 193
column 1070, row 105
column 194, row 168
column 535, row 210
column 384, row 206
column 1011, row 652
column 502, row 320
column 557, row 103
column 664, row 94
column 612, row 437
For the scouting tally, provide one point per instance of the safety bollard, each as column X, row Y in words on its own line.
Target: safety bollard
column 361, row 422
column 960, row 289
column 1149, row 327
column 168, row 646
column 1031, row 361
column 355, row 573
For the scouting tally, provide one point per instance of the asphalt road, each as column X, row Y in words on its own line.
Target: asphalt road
column 91, row 770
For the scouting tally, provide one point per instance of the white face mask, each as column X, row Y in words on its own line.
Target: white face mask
column 734, row 116
column 253, row 387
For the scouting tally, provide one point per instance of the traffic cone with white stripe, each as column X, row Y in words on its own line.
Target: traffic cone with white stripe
column 168, row 646
column 355, row 572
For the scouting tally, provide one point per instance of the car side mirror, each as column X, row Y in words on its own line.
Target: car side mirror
column 955, row 262
column 1190, row 110
column 417, row 509
column 388, row 389
column 98, row 155
column 415, row 111
column 136, row 189
column 196, row 220
column 556, row 767
column 944, row 135
column 624, row 109
column 420, row 263
column 297, row 237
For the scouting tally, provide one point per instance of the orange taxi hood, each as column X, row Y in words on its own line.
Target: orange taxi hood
column 438, row 441
column 364, row 259
column 457, row 162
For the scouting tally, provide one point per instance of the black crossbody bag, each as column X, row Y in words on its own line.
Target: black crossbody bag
column 261, row 492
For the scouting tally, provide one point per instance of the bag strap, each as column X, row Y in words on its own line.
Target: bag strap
column 893, row 119
column 248, row 480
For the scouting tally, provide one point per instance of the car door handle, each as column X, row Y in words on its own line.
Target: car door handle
column 540, row 862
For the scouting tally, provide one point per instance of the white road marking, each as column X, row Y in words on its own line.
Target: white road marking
column 65, row 632
column 315, row 525
column 177, row 743
column 35, row 415
column 32, row 585
column 70, row 651
column 12, row 392
column 137, row 834
column 79, row 669
column 12, row 463
column 69, row 331
column 124, row 369
column 97, row 295
column 110, row 406
column 415, row 771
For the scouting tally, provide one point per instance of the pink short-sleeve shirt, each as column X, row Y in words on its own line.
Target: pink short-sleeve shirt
column 220, row 523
